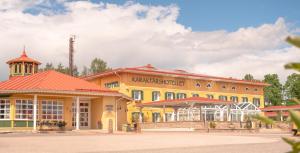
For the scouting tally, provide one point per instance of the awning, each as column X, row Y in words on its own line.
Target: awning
column 186, row 102
column 281, row 108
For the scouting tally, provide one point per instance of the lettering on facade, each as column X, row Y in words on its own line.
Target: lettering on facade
column 153, row 80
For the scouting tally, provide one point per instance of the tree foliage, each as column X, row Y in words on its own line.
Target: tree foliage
column 249, row 77
column 97, row 66
column 60, row 68
column 292, row 86
column 273, row 93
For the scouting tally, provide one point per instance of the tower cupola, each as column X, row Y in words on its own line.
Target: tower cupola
column 23, row 66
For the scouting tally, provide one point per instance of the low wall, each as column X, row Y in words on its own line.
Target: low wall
column 197, row 125
column 183, row 124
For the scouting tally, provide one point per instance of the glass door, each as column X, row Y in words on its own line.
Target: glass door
column 84, row 114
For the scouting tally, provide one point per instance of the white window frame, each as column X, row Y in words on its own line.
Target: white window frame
column 138, row 96
column 50, row 106
column 210, row 96
column 168, row 95
column 181, row 95
column 6, row 109
column 28, row 107
column 254, row 102
column 243, row 99
column 156, row 95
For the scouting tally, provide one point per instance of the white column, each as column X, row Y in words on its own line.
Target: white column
column 116, row 115
column 204, row 115
column 77, row 114
column 34, row 111
column 242, row 116
column 221, row 115
column 177, row 115
column 200, row 112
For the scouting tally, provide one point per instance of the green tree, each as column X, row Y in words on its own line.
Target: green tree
column 60, row 68
column 249, row 77
column 98, row 65
column 85, row 71
column 48, row 66
column 273, row 93
column 292, row 86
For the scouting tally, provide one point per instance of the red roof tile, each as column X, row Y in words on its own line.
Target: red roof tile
column 23, row 58
column 272, row 114
column 149, row 69
column 274, row 108
column 50, row 80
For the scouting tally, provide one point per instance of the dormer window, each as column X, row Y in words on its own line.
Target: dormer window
column 209, row 85
column 198, row 85
column 223, row 87
column 246, row 88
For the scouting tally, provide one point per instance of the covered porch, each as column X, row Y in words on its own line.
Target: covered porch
column 202, row 109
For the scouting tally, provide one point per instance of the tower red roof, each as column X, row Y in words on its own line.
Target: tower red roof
column 23, row 58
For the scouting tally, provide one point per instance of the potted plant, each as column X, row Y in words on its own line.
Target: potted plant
column 61, row 125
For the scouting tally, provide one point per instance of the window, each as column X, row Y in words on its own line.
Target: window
column 233, row 88
column 223, row 87
column 52, row 110
column 112, row 84
column 244, row 99
column 156, row 117
column 234, row 99
column 210, row 96
column 198, row 85
column 256, row 102
column 208, row 85
column 24, row 109
column 195, row 95
column 135, row 117
column 155, row 96
column 170, row 95
column 137, row 95
column 255, row 89
column 4, row 109
column 223, row 98
column 247, row 89
column 181, row 95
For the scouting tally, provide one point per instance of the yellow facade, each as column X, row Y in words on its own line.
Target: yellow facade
column 127, row 83
column 99, row 114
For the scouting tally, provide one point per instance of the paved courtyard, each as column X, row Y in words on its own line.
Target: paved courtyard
column 159, row 142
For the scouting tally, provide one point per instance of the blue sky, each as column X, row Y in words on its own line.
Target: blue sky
column 227, row 38
column 230, row 15
column 203, row 15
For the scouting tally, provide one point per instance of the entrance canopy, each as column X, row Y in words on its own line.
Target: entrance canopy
column 186, row 102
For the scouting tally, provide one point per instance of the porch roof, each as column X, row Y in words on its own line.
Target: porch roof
column 280, row 108
column 52, row 82
column 186, row 102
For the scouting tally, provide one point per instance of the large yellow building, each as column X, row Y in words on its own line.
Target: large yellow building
column 147, row 84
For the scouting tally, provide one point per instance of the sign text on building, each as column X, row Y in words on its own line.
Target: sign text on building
column 157, row 81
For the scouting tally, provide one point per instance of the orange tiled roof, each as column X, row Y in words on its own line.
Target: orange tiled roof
column 274, row 108
column 23, row 58
column 174, row 102
column 149, row 69
column 50, row 81
column 272, row 114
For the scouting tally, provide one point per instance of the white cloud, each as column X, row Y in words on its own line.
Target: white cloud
column 134, row 34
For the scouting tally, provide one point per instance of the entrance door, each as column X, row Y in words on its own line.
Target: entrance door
column 84, row 114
